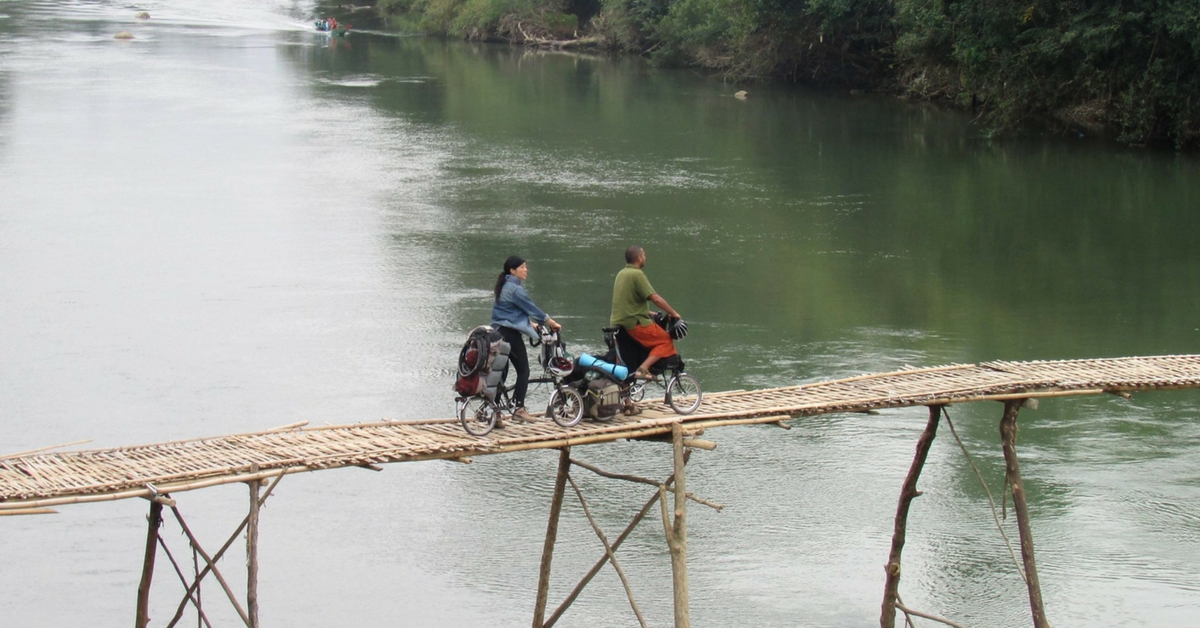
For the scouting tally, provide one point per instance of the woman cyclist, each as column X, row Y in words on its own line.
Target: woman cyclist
column 511, row 315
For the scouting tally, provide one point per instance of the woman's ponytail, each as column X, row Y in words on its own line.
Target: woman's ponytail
column 500, row 284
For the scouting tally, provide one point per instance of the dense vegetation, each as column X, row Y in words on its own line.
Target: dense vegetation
column 1127, row 65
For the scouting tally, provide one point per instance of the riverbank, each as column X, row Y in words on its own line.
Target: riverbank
column 1130, row 72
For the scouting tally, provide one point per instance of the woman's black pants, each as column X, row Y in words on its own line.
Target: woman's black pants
column 519, row 359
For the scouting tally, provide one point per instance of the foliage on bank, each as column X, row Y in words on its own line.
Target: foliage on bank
column 1132, row 66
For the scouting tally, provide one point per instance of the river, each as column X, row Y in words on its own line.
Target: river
column 231, row 223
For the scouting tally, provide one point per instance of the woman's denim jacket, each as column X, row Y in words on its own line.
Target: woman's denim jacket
column 514, row 308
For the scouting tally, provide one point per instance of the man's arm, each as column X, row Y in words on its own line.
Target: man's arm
column 663, row 305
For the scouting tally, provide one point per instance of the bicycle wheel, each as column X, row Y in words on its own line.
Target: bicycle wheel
column 637, row 391
column 478, row 415
column 565, row 407
column 683, row 393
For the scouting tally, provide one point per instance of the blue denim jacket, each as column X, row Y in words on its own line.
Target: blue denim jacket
column 514, row 308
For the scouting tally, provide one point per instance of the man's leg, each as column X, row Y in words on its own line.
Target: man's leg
column 657, row 340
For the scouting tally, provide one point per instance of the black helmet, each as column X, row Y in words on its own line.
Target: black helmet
column 677, row 328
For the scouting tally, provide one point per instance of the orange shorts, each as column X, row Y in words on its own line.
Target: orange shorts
column 654, row 338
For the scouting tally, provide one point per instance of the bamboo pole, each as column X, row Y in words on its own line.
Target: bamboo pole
column 1008, row 436
column 570, row 599
column 252, row 553
column 202, row 618
column 608, row 549
column 560, row 489
column 166, row 487
column 677, row 534
column 28, row 511
column 891, row 588
column 28, row 452
column 143, row 597
column 707, row 423
column 212, row 566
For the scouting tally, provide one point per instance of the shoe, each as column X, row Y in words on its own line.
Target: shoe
column 521, row 414
column 632, row 410
column 642, row 375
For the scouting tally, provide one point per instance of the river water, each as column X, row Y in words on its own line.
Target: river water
column 231, row 223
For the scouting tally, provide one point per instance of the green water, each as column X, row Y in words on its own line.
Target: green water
column 232, row 223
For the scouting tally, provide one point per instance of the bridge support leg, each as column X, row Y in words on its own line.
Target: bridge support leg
column 891, row 588
column 676, row 533
column 1012, row 474
column 143, row 597
column 560, row 489
column 641, row 514
column 252, row 552
column 191, row 592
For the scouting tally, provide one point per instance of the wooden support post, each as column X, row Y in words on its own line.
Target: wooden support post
column 608, row 549
column 143, row 596
column 1008, row 437
column 891, row 588
column 676, row 534
column 560, row 489
column 252, row 553
column 195, row 587
column 562, row 608
column 199, row 597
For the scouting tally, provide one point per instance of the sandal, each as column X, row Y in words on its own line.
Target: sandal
column 632, row 411
column 642, row 375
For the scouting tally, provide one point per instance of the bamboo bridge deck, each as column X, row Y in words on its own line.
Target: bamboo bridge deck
column 36, row 480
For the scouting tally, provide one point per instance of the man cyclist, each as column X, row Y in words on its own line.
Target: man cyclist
column 632, row 295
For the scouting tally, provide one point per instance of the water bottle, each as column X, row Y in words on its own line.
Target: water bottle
column 617, row 371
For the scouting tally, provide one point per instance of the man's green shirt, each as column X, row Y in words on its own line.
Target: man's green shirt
column 631, row 296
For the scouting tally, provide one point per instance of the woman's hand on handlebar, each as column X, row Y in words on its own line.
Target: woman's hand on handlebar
column 553, row 324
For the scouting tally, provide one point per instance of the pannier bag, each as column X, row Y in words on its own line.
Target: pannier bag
column 481, row 363
column 602, row 398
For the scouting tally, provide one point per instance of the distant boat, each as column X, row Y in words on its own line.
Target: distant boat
column 332, row 27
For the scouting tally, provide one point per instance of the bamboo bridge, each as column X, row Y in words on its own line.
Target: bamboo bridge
column 34, row 482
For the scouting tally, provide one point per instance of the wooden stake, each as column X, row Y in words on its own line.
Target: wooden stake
column 199, row 591
column 1008, row 436
column 143, row 597
column 891, row 588
column 252, row 553
column 560, row 489
column 677, row 535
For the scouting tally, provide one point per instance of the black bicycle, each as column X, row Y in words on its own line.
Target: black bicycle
column 479, row 414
